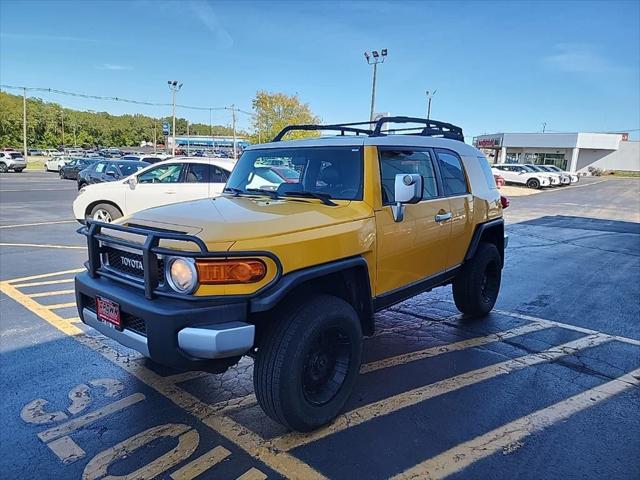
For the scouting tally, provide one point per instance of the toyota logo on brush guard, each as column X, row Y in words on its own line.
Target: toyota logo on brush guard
column 131, row 263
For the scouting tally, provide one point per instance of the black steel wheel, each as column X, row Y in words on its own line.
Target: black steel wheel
column 307, row 361
column 476, row 287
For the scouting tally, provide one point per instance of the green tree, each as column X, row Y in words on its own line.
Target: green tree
column 274, row 111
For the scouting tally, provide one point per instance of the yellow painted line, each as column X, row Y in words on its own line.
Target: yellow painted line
column 508, row 437
column 73, row 320
column 201, row 464
column 235, row 403
column 36, row 224
column 252, row 474
column 39, row 245
column 43, row 275
column 260, row 449
column 412, row 397
column 52, row 293
column 186, row 376
column 79, row 422
column 451, row 347
column 46, row 282
column 66, row 450
column 60, row 305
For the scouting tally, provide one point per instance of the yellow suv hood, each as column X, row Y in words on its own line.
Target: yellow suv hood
column 232, row 219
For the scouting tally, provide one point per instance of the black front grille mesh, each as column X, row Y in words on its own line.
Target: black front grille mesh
column 129, row 321
column 115, row 261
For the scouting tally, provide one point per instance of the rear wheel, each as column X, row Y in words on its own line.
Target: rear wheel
column 476, row 287
column 18, row 170
column 3, row 168
column 533, row 183
column 103, row 212
column 308, row 361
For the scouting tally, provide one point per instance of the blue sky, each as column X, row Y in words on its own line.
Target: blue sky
column 497, row 66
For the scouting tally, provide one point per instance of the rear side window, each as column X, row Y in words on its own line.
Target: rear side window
column 453, row 179
column 198, row 173
column 488, row 174
column 218, row 175
column 394, row 161
column 100, row 167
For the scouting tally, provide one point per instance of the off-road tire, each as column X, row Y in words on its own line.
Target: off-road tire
column 105, row 207
column 476, row 287
column 3, row 168
column 533, row 183
column 286, row 353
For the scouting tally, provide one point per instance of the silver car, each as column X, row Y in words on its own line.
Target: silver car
column 12, row 161
column 557, row 178
column 573, row 178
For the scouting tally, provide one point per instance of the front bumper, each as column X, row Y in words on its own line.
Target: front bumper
column 207, row 336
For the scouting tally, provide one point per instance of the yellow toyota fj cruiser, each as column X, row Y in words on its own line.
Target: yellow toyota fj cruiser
column 289, row 265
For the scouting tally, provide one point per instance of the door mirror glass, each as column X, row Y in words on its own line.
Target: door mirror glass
column 408, row 189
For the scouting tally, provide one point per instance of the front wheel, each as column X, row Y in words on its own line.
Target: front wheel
column 533, row 183
column 476, row 287
column 3, row 168
column 308, row 361
column 103, row 212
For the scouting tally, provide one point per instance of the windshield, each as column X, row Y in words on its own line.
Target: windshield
column 131, row 168
column 332, row 171
column 535, row 168
column 528, row 168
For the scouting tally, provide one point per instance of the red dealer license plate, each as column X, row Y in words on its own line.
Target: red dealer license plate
column 108, row 312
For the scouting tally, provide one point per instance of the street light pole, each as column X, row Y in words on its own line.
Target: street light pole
column 174, row 87
column 429, row 97
column 374, row 58
column 233, row 122
column 24, row 123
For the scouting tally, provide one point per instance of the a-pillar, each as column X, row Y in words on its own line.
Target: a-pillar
column 573, row 163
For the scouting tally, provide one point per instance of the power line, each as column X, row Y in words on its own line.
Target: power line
column 118, row 99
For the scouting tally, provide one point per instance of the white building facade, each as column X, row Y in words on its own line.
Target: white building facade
column 574, row 152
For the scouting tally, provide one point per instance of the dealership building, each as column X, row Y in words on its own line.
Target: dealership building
column 574, row 152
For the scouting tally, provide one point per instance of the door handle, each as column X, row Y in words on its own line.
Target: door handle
column 443, row 217
column 170, row 193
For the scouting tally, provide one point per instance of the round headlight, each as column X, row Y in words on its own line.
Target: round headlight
column 182, row 275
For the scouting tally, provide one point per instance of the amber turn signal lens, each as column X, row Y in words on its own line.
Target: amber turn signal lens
column 219, row 272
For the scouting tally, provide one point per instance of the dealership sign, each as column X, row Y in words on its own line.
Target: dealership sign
column 489, row 142
column 165, row 128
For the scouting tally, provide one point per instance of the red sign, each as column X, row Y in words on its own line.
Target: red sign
column 488, row 142
column 108, row 311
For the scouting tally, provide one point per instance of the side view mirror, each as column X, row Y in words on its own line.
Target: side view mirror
column 408, row 189
column 133, row 181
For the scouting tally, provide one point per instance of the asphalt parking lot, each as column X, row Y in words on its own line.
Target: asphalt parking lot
column 548, row 386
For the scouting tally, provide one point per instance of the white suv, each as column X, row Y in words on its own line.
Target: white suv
column 12, row 161
column 573, row 178
column 562, row 178
column 518, row 173
column 172, row 181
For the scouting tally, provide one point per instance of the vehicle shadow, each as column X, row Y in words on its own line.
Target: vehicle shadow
column 583, row 223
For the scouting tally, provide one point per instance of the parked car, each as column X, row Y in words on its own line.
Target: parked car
column 111, row 153
column 561, row 178
column 289, row 175
column 36, row 152
column 70, row 170
column 108, row 171
column 51, row 152
column 517, row 173
column 294, row 276
column 175, row 180
column 553, row 169
column 499, row 179
column 11, row 160
column 151, row 158
column 54, row 164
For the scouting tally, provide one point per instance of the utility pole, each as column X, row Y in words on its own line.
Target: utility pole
column 62, row 115
column 174, row 87
column 544, row 126
column 429, row 97
column 155, row 136
column 188, row 140
column 75, row 144
column 233, row 122
column 374, row 59
column 24, row 123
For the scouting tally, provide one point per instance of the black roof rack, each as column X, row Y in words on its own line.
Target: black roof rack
column 432, row 128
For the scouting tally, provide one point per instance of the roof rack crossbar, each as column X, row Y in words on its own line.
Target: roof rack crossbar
column 431, row 128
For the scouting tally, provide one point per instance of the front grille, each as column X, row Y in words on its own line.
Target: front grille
column 125, row 263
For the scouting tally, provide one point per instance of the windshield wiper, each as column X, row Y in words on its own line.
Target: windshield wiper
column 323, row 197
column 264, row 191
column 235, row 191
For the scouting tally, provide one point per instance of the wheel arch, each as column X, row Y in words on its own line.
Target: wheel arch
column 347, row 279
column 490, row 232
column 93, row 204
